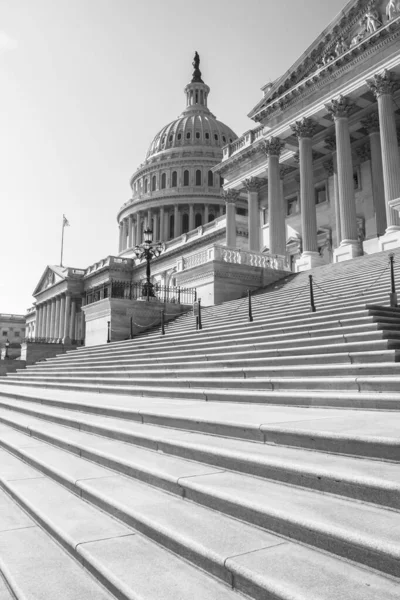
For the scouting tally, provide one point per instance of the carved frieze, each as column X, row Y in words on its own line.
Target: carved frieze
column 329, row 167
column 330, row 143
column 273, row 146
column 305, row 128
column 286, row 170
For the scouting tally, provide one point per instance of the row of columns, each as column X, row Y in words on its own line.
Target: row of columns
column 385, row 166
column 131, row 228
column 56, row 318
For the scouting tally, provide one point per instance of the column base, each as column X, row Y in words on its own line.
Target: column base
column 391, row 239
column 347, row 250
column 309, row 260
column 66, row 340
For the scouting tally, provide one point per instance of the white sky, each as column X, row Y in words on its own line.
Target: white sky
column 84, row 87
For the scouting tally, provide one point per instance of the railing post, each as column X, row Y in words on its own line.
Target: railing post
column 313, row 307
column 195, row 295
column 393, row 295
column 108, row 332
column 179, row 294
column 200, row 324
column 131, row 328
column 162, row 323
column 250, row 311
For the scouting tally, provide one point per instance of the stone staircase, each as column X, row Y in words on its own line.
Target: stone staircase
column 256, row 460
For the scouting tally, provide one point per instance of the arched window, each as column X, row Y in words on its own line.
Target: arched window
column 153, row 183
column 186, row 178
column 174, row 179
column 198, row 220
column 198, row 177
column 216, row 137
column 171, row 226
column 224, row 139
column 207, row 135
column 188, row 135
column 163, row 181
column 197, row 135
column 171, row 137
column 179, row 136
column 211, row 218
column 210, row 178
column 185, row 223
column 145, row 186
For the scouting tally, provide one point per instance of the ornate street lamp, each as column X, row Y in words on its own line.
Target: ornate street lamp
column 7, row 345
column 148, row 251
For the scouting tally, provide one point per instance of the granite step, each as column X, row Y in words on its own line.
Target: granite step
column 366, row 480
column 353, row 530
column 309, row 424
column 133, row 563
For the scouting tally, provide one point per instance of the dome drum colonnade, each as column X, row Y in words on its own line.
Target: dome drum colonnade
column 385, row 163
column 175, row 190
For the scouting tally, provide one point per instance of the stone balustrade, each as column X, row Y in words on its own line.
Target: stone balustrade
column 234, row 256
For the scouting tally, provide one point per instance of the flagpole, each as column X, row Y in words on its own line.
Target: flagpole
column 62, row 241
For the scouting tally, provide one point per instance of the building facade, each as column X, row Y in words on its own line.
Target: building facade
column 316, row 181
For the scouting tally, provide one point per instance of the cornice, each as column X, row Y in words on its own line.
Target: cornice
column 328, row 74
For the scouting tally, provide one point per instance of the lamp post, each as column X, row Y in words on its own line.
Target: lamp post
column 7, row 345
column 148, row 251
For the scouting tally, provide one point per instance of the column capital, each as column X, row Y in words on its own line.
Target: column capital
column 253, row 184
column 230, row 196
column 330, row 143
column 305, row 128
column 329, row 167
column 273, row 146
column 339, row 108
column 371, row 122
column 381, row 83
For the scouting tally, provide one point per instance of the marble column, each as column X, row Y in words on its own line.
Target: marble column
column 177, row 215
column 349, row 245
column 48, row 319
column 73, row 319
column 310, row 257
column 205, row 214
column 124, row 234
column 156, row 234
column 331, row 168
column 162, row 224
column 67, row 318
column 231, row 197
column 130, row 229
column 371, row 124
column 382, row 87
column 120, row 237
column 38, row 323
column 149, row 219
column 62, row 316
column 191, row 217
column 52, row 317
column 252, row 185
column 277, row 228
column 57, row 320
column 138, row 228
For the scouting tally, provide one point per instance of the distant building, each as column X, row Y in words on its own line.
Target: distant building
column 12, row 328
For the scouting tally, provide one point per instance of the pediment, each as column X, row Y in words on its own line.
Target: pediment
column 51, row 276
column 349, row 29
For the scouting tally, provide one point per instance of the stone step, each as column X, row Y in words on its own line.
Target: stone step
column 307, row 423
column 357, row 531
column 209, row 371
column 98, row 540
column 33, row 565
column 134, row 563
column 366, row 480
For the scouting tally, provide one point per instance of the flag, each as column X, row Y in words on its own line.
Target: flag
column 65, row 221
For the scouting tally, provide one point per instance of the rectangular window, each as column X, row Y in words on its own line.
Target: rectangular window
column 357, row 178
column 5, row 333
column 292, row 204
column 320, row 193
column 16, row 333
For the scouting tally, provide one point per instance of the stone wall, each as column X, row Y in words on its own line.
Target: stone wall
column 35, row 352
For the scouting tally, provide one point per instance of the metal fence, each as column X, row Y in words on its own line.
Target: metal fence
column 142, row 291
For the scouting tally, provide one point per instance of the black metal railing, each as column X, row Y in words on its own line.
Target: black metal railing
column 141, row 291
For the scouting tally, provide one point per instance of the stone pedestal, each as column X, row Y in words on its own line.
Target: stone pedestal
column 347, row 251
column 309, row 260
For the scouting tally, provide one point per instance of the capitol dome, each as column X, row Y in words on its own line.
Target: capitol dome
column 175, row 190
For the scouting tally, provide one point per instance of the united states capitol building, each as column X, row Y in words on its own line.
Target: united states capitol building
column 317, row 180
